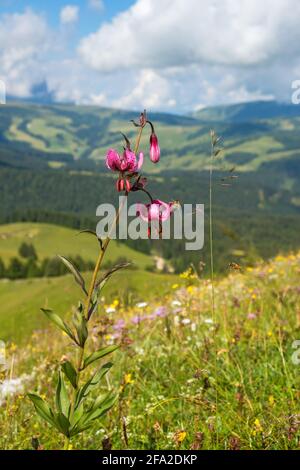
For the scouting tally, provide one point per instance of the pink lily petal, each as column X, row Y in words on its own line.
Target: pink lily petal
column 113, row 160
column 140, row 162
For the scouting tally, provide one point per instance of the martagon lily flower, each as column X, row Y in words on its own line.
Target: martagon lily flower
column 125, row 164
column 157, row 210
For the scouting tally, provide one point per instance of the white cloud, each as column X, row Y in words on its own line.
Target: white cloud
column 149, row 90
column 161, row 33
column 24, row 39
column 69, row 14
column 97, row 5
column 159, row 54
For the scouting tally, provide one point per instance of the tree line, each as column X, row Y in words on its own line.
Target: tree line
column 27, row 265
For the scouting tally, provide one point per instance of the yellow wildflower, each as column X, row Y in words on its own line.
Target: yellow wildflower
column 128, row 379
column 180, row 436
column 271, row 400
column 13, row 347
column 257, row 427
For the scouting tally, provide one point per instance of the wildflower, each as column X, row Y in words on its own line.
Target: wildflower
column 157, row 427
column 251, row 316
column 110, row 310
column 257, row 427
column 13, row 347
column 136, row 320
column 154, row 148
column 234, row 443
column 128, row 379
column 198, row 442
column 179, row 437
column 119, row 325
column 271, row 400
column 125, row 165
column 160, row 312
column 157, row 210
column 141, row 305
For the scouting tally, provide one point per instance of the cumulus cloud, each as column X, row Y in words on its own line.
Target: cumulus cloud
column 168, row 33
column 170, row 55
column 24, row 39
column 69, row 14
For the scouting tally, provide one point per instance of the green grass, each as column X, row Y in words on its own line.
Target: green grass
column 50, row 240
column 183, row 380
column 21, row 300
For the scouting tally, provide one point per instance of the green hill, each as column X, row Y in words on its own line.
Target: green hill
column 50, row 240
column 52, row 170
column 21, row 300
column 67, row 136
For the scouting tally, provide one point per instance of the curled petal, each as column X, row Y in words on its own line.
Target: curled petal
column 157, row 210
column 142, row 211
column 140, row 162
column 113, row 160
column 128, row 161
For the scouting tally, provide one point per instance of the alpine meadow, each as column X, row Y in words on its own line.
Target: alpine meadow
column 149, row 228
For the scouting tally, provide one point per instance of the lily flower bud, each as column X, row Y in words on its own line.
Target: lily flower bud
column 154, row 148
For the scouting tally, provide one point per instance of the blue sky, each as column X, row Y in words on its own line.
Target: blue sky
column 90, row 19
column 170, row 55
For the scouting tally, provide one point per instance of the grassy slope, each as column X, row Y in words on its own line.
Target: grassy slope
column 21, row 300
column 227, row 382
column 87, row 132
column 50, row 240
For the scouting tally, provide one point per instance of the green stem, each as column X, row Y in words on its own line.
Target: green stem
column 212, row 274
column 66, row 444
column 211, row 232
column 91, row 291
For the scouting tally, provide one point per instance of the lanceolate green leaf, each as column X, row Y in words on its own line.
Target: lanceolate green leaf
column 92, row 382
column 98, row 355
column 92, row 232
column 103, row 280
column 62, row 399
column 59, row 322
column 77, row 415
column 82, row 331
column 42, row 408
column 63, row 423
column 78, row 277
column 70, row 373
column 100, row 407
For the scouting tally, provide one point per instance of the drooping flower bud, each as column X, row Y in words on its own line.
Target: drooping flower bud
column 128, row 186
column 154, row 148
column 120, row 185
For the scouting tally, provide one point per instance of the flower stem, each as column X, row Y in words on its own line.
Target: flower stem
column 91, row 291
column 211, row 232
column 138, row 140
